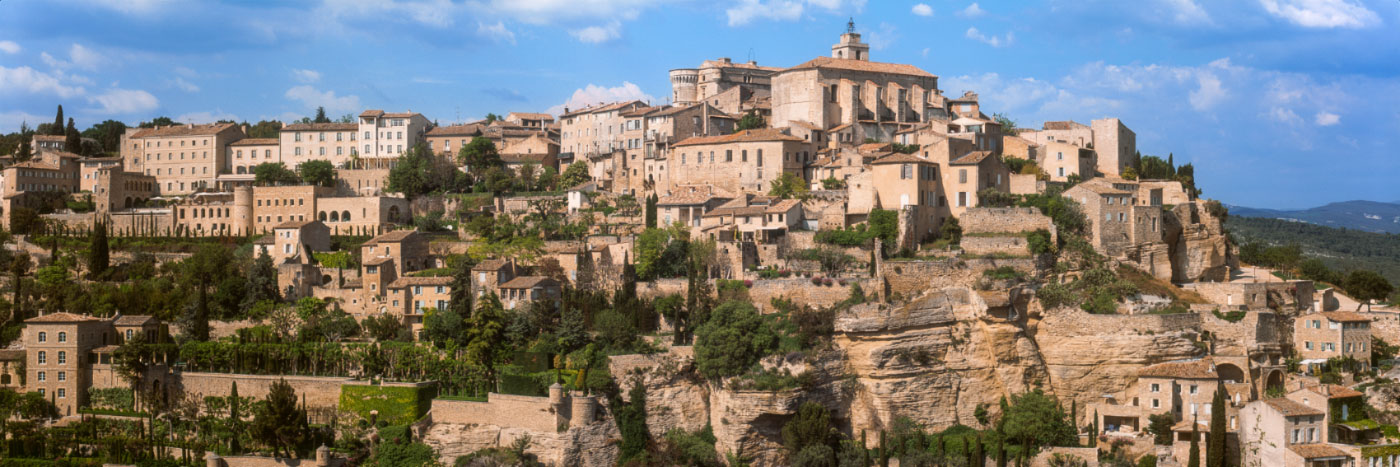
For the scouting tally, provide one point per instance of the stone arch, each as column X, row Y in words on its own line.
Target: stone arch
column 335, row 216
column 1230, row 373
column 5, row 379
column 345, row 216
column 321, row 216
column 1273, row 380
column 127, row 205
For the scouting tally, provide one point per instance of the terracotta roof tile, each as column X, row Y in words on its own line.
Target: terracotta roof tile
column 1345, row 316
column 901, row 158
column 1334, row 391
column 409, row 281
column 526, row 282
column 133, row 320
column 529, row 116
column 490, row 265
column 1195, row 369
column 321, row 127
column 62, row 317
column 470, row 129
column 971, row 158
column 183, row 130
column 295, row 224
column 396, row 236
column 861, row 65
column 1317, row 451
column 255, row 142
column 764, row 134
column 1291, row 408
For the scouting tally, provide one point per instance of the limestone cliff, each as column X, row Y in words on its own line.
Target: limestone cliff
column 594, row 444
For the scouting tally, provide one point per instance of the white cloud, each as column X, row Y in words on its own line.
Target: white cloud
column 1322, row 13
column 206, row 117
column 972, row 11
column 130, row 7
column 540, row 12
column 10, row 121
column 78, row 56
column 594, row 94
column 26, row 80
column 433, row 13
column 1186, row 12
column 1285, row 115
column 749, row 10
column 1325, row 118
column 306, row 76
column 84, row 57
column 185, row 85
column 922, row 9
column 497, row 32
column 9, row 47
column 838, row 5
column 598, row 34
column 313, row 98
column 925, row 52
column 883, row 36
column 125, row 101
column 1209, row 93
column 992, row 40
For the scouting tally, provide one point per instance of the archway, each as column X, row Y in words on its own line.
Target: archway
column 345, row 216
column 321, row 217
column 1229, row 373
column 335, row 217
column 1274, row 381
column 393, row 213
column 127, row 205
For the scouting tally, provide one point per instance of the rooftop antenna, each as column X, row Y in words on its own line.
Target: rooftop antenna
column 851, row 26
column 751, row 54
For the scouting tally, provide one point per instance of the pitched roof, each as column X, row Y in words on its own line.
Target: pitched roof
column 602, row 108
column 1317, row 451
column 805, row 124
column 132, row 320
column 295, row 224
column 266, row 239
column 1334, row 391
column 901, row 158
column 183, row 130
column 762, row 134
column 409, row 281
column 1195, row 369
column 470, row 129
column 1345, row 316
column 321, row 127
column 526, row 282
column 490, row 265
column 392, row 237
column 1097, row 186
column 61, row 317
column 378, row 260
column 1291, row 408
column 971, row 158
column 693, row 194
column 1185, row 426
column 861, row 65
column 529, row 116
column 522, row 158
column 53, row 138
column 371, row 113
column 1063, row 125
column 254, row 142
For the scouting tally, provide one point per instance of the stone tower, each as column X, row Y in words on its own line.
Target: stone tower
column 242, row 210
column 850, row 46
column 683, row 85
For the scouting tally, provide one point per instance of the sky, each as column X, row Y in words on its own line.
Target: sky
column 1277, row 103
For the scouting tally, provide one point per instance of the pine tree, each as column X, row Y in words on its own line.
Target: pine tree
column 235, row 419
column 1194, row 458
column 262, row 282
column 321, row 116
column 279, row 423
column 25, row 151
column 73, row 141
column 1215, row 443
column 57, row 128
column 98, row 257
column 460, row 298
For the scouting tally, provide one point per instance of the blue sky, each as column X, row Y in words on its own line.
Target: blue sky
column 1278, row 103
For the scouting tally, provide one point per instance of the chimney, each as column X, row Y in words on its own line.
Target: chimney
column 189, row 126
column 245, row 129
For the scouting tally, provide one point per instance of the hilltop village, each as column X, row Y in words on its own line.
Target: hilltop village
column 829, row 263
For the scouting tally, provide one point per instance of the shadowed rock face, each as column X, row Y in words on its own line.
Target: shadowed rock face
column 591, row 445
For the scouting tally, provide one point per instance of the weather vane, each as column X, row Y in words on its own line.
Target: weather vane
column 851, row 26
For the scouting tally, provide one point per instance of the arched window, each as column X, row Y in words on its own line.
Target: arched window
column 62, row 357
column 62, row 336
column 43, row 357
column 43, row 336
column 345, row 216
column 335, row 216
column 321, row 216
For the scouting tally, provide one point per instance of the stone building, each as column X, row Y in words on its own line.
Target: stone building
column 244, row 155
column 688, row 204
column 59, row 346
column 594, row 130
column 1113, row 143
column 334, row 142
column 970, row 174
column 1318, row 337
column 520, row 291
column 530, row 119
column 1109, row 208
column 491, row 274
column 1061, row 160
column 910, row 185
column 875, row 98
column 747, row 161
column 721, row 83
column 1287, row 433
column 751, row 218
column 385, row 136
column 413, row 296
column 182, row 158
column 23, row 184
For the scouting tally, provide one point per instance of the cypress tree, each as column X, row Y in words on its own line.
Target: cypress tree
column 234, row 419
column 979, row 455
column 884, row 451
column 1215, row 444
column 460, row 297
column 98, row 257
column 25, row 152
column 1194, row 458
column 73, row 142
column 57, row 128
column 651, row 211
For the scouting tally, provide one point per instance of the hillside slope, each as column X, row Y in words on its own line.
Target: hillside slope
column 1340, row 249
column 1371, row 216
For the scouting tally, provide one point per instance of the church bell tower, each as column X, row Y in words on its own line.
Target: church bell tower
column 850, row 46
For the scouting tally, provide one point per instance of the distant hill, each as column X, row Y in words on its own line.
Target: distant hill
column 1342, row 250
column 1370, row 216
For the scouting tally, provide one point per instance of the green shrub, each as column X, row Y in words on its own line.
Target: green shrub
column 1039, row 242
column 1003, row 273
column 396, row 405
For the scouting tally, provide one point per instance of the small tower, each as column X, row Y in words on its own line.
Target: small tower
column 850, row 46
column 323, row 456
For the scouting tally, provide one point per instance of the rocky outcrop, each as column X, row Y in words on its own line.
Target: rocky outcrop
column 934, row 360
column 594, row 444
column 1199, row 249
column 677, row 398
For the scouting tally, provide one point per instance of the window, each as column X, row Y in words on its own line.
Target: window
column 962, row 175
column 43, row 336
column 62, row 393
column 63, row 376
column 1193, row 389
column 1156, row 403
column 62, row 336
column 1156, row 387
column 729, row 155
column 43, row 357
column 1062, row 172
column 43, row 376
column 62, row 357
column 906, row 171
column 128, row 334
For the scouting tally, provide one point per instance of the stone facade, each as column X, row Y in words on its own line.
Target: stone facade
column 1320, row 336
column 748, row 161
column 182, row 158
column 334, row 142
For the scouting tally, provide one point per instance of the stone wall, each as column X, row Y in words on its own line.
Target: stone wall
column 660, row 288
column 803, row 291
column 1385, row 326
column 320, row 392
column 1007, row 245
column 909, row 278
column 526, row 412
column 1002, row 220
column 1025, row 184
